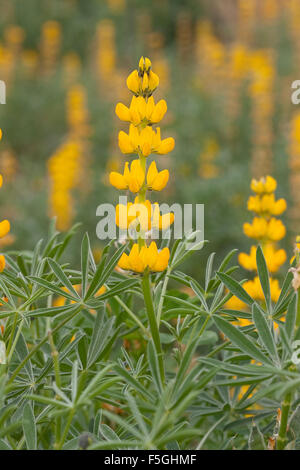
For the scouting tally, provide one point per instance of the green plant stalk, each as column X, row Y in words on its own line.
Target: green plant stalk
column 285, row 408
column 13, row 346
column 66, row 430
column 132, row 315
column 12, row 333
column 55, row 356
column 163, row 293
column 153, row 322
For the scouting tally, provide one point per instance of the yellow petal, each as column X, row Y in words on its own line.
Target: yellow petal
column 166, row 220
column 125, row 143
column 133, row 82
column 150, row 108
column 123, row 262
column 159, row 111
column 151, row 174
column 161, row 180
column 4, row 228
column 117, row 180
column 162, row 260
column 145, row 82
column 166, row 146
column 123, row 112
column 153, row 80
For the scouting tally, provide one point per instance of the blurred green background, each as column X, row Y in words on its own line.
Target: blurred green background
column 225, row 68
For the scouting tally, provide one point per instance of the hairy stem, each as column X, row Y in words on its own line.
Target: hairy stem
column 285, row 408
column 153, row 323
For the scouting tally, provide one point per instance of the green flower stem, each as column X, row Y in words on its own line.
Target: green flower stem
column 39, row 345
column 55, row 356
column 12, row 333
column 162, row 295
column 132, row 315
column 13, row 346
column 66, row 430
column 285, row 408
column 153, row 323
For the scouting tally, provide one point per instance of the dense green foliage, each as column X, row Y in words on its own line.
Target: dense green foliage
column 87, row 374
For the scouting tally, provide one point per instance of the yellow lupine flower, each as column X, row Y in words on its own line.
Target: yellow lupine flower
column 145, row 141
column 157, row 180
column 144, row 214
column 142, row 111
column 261, row 229
column 274, row 258
column 131, row 179
column 140, row 259
column 266, row 205
column 265, row 185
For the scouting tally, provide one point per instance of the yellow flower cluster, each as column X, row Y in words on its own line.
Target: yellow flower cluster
column 133, row 178
column 50, row 45
column 264, row 227
column 145, row 257
column 274, row 258
column 267, row 230
column 142, row 140
column 69, row 161
column 63, row 168
column 106, row 51
column 143, row 214
column 208, row 168
column 77, row 111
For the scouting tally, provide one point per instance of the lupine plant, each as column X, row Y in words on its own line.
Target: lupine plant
column 131, row 352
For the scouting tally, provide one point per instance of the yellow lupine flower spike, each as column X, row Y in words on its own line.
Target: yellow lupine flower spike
column 140, row 259
column 132, row 179
column 156, row 181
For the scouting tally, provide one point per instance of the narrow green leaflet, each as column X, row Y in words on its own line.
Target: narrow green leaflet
column 29, row 427
column 235, row 288
column 263, row 275
column 240, row 340
column 264, row 332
